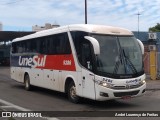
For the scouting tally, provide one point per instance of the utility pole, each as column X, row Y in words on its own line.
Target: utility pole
column 85, row 11
column 138, row 14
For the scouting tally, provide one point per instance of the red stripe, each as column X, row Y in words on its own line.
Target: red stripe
column 59, row 62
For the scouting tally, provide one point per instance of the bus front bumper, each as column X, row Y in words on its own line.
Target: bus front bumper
column 104, row 93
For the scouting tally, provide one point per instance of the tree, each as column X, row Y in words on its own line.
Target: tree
column 155, row 28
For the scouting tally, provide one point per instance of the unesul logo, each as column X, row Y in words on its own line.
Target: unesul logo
column 34, row 62
column 135, row 81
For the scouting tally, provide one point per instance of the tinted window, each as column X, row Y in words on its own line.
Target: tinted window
column 61, row 43
column 33, row 45
column 83, row 49
column 42, row 42
column 54, row 44
column 78, row 38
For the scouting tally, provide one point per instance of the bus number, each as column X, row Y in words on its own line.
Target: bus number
column 67, row 62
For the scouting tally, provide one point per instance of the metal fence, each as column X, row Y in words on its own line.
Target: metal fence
column 148, row 64
column 146, row 60
column 158, row 65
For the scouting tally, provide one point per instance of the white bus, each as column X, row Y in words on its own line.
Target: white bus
column 91, row 61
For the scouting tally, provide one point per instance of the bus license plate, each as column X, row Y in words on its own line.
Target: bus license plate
column 126, row 97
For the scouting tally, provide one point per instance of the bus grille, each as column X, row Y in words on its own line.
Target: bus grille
column 126, row 87
column 121, row 94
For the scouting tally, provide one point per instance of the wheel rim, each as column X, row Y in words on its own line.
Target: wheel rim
column 27, row 82
column 73, row 92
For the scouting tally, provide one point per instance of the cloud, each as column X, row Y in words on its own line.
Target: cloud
column 26, row 13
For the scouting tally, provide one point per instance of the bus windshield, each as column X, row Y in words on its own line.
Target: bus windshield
column 119, row 56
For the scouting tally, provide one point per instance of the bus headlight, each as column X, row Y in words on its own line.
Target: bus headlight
column 105, row 84
column 142, row 82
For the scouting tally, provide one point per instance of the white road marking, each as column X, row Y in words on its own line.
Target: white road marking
column 52, row 119
column 11, row 105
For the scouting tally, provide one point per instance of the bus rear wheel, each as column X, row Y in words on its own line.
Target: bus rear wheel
column 27, row 82
column 72, row 96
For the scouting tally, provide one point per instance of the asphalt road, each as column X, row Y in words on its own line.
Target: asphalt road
column 45, row 100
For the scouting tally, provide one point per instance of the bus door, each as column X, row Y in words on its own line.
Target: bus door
column 88, row 85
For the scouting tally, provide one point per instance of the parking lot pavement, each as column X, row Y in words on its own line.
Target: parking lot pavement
column 153, row 84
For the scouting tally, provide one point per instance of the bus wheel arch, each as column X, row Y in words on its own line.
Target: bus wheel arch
column 70, row 89
column 27, row 81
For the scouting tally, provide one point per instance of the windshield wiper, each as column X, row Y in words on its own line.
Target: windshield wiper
column 123, row 59
column 120, row 60
column 129, row 63
column 116, row 67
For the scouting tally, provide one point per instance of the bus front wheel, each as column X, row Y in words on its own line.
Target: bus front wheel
column 27, row 82
column 72, row 96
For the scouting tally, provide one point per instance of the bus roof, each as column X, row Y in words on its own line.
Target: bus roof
column 99, row 29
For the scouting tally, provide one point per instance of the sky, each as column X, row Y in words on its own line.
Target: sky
column 21, row 15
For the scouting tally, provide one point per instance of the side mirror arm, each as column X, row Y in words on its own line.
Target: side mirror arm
column 95, row 44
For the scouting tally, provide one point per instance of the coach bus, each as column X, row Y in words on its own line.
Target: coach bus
column 90, row 61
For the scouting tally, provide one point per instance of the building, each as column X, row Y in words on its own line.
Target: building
column 5, row 43
column 37, row 28
column 1, row 26
column 145, row 38
column 151, row 58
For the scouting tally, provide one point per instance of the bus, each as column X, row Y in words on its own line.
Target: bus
column 85, row 61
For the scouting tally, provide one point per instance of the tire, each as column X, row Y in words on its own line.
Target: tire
column 27, row 82
column 72, row 93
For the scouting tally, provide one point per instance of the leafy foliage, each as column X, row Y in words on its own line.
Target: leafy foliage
column 155, row 28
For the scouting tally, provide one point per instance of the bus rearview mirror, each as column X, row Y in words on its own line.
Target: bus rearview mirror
column 95, row 44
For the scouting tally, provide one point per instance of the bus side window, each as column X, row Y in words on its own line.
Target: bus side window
column 86, row 56
column 33, row 45
column 66, row 45
column 42, row 45
column 62, row 44
column 28, row 45
column 54, row 44
column 57, row 44
column 78, row 38
column 19, row 47
column 50, row 49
